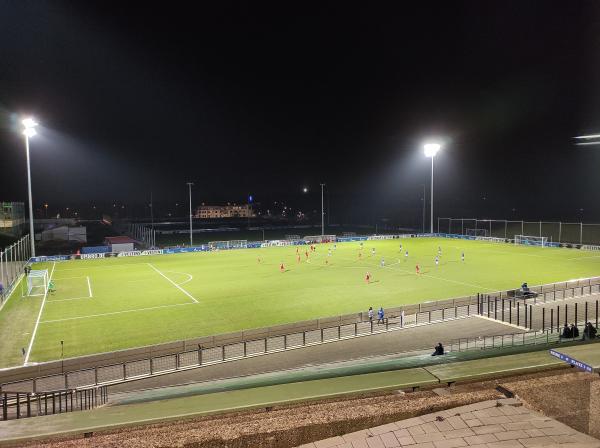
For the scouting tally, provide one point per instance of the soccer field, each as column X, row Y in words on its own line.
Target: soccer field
column 115, row 303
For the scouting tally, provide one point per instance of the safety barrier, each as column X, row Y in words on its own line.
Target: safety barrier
column 17, row 405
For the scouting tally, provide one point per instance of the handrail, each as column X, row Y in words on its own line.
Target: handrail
column 144, row 367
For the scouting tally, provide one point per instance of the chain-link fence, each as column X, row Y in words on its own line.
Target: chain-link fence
column 555, row 231
column 12, row 261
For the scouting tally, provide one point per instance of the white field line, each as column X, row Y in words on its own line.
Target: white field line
column 66, row 300
column 173, row 283
column 190, row 277
column 69, row 278
column 583, row 258
column 89, row 296
column 446, row 279
column 37, row 322
column 115, row 312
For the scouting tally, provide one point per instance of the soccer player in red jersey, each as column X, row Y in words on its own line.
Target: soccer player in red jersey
column 418, row 269
column 367, row 277
column 282, row 267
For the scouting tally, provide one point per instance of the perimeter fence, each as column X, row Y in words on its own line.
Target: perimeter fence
column 12, row 261
column 96, row 370
column 556, row 231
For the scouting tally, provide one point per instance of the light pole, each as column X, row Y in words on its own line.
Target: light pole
column 322, row 212
column 190, row 184
column 431, row 149
column 29, row 131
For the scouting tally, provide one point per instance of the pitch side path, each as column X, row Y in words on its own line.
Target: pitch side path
column 108, row 304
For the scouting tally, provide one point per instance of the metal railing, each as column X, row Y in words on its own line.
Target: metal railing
column 12, row 261
column 18, row 404
column 538, row 337
column 201, row 356
column 505, row 309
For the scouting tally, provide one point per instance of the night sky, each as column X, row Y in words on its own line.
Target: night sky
column 265, row 98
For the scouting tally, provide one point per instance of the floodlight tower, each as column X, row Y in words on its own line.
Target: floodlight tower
column 431, row 149
column 322, row 212
column 190, row 184
column 29, row 131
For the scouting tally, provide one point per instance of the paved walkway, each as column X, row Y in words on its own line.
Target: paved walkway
column 393, row 342
column 481, row 425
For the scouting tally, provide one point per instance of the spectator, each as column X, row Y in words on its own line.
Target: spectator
column 380, row 315
column 566, row 333
column 439, row 350
column 370, row 314
column 574, row 331
column 589, row 332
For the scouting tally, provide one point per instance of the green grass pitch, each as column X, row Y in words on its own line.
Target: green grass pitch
column 115, row 303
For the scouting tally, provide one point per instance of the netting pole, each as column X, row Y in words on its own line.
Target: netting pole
column 580, row 233
column 559, row 231
column 522, row 227
column 540, row 229
column 551, row 320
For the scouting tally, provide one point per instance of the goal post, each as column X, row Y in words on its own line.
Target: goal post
column 37, row 282
column 233, row 244
column 477, row 232
column 319, row 239
column 529, row 240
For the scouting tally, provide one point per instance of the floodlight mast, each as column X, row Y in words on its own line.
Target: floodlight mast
column 431, row 149
column 190, row 184
column 29, row 131
column 322, row 212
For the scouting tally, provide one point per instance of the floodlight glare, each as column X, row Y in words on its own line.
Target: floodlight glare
column 431, row 149
column 305, row 190
column 29, row 123
column 29, row 132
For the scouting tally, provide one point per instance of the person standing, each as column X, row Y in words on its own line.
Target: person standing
column 380, row 315
column 370, row 314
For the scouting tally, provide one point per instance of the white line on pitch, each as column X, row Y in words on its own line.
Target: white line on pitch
column 89, row 287
column 69, row 278
column 190, row 277
column 115, row 312
column 66, row 300
column 173, row 283
column 37, row 322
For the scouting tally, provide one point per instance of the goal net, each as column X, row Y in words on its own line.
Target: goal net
column 320, row 238
column 477, row 232
column 233, row 244
column 531, row 240
column 37, row 282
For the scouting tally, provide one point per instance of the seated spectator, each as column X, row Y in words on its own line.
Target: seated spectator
column 439, row 350
column 566, row 332
column 574, row 331
column 589, row 332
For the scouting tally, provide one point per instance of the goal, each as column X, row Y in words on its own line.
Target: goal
column 531, row 240
column 319, row 239
column 233, row 244
column 477, row 232
column 37, row 282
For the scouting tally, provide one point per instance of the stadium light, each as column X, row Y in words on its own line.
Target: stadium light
column 305, row 190
column 29, row 131
column 431, row 149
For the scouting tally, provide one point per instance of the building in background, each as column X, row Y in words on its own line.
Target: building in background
column 224, row 211
column 12, row 218
column 63, row 233
column 120, row 243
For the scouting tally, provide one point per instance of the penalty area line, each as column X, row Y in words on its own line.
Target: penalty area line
column 37, row 322
column 115, row 312
column 174, row 284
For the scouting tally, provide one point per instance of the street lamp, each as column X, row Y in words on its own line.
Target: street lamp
column 431, row 149
column 29, row 131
